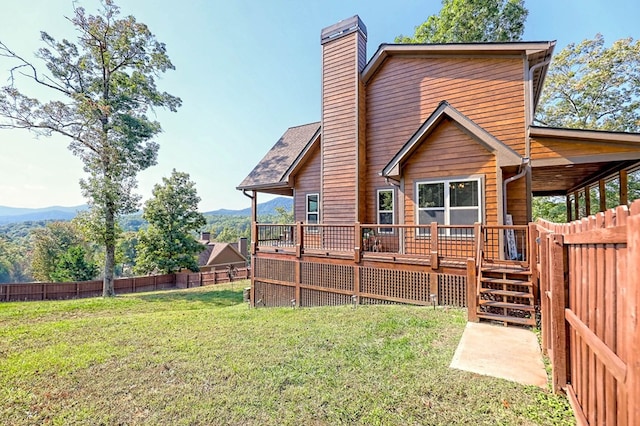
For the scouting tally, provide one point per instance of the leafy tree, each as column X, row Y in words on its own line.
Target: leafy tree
column 590, row 86
column 102, row 89
column 74, row 265
column 168, row 244
column 49, row 244
column 468, row 21
column 284, row 215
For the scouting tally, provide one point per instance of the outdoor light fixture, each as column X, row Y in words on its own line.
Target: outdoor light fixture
column 434, row 299
column 293, row 303
column 354, row 300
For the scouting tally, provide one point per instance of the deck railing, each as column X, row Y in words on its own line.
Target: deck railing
column 428, row 243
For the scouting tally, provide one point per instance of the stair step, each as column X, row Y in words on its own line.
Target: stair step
column 498, row 270
column 507, row 293
column 505, row 281
column 506, row 318
column 506, row 305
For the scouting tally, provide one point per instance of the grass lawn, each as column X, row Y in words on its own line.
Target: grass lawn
column 201, row 357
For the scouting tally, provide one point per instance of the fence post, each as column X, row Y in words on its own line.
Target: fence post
column 44, row 291
column 434, row 245
column 631, row 328
column 557, row 278
column 545, row 316
column 357, row 234
column 472, row 291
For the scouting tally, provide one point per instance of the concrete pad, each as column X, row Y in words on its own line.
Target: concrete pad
column 509, row 353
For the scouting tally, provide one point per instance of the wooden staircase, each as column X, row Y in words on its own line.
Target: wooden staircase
column 506, row 293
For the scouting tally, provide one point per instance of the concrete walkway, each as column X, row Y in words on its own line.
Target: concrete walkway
column 506, row 352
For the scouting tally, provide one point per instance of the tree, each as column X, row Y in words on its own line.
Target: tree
column 49, row 244
column 590, row 86
column 102, row 88
column 74, row 265
column 284, row 215
column 168, row 244
column 468, row 21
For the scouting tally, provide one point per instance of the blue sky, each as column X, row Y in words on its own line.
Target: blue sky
column 246, row 71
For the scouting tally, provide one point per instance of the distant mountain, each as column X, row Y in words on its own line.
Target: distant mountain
column 17, row 214
column 266, row 208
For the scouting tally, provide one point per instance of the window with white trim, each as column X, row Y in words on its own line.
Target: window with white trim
column 448, row 202
column 385, row 203
column 313, row 209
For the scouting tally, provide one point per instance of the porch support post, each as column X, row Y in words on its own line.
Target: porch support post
column 587, row 200
column 624, row 188
column 254, row 246
column 357, row 236
column 558, row 304
column 576, row 205
column 603, row 195
column 434, row 245
column 568, row 201
column 472, row 291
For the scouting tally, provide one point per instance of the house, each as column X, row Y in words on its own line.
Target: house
column 425, row 156
column 221, row 256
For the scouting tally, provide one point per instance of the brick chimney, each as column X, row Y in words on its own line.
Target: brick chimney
column 344, row 55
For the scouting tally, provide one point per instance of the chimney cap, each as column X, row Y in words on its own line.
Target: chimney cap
column 342, row 28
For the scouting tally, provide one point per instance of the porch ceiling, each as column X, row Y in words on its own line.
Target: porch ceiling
column 564, row 178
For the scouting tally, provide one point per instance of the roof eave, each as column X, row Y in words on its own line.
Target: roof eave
column 386, row 50
column 585, row 135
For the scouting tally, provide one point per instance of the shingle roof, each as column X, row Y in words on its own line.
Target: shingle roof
column 272, row 171
column 219, row 253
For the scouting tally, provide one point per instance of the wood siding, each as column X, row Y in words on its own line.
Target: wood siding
column 450, row 152
column 341, row 63
column 405, row 91
column 307, row 181
column 548, row 148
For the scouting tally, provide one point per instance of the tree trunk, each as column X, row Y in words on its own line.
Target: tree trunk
column 110, row 254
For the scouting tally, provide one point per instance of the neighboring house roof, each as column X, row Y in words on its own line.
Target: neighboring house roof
column 273, row 171
column 219, row 254
column 537, row 52
column 505, row 156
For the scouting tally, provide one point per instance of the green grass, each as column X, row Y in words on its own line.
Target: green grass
column 200, row 356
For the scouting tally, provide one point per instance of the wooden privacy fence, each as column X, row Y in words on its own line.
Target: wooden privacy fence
column 590, row 290
column 55, row 291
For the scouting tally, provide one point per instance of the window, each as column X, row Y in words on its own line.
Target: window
column 448, row 202
column 385, row 210
column 313, row 210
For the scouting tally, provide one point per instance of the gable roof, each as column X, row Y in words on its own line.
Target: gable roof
column 537, row 52
column 219, row 254
column 505, row 156
column 271, row 174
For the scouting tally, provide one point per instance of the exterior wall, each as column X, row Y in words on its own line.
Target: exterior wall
column 517, row 200
column 405, row 91
column 449, row 152
column 307, row 181
column 342, row 60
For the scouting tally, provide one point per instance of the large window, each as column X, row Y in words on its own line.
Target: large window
column 385, row 210
column 313, row 209
column 449, row 202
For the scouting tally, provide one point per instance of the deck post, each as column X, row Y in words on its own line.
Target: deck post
column 357, row 236
column 434, row 245
column 532, row 252
column 557, row 270
column 299, row 231
column 472, row 291
column 298, row 278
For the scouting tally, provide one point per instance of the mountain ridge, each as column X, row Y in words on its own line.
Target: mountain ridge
column 23, row 214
